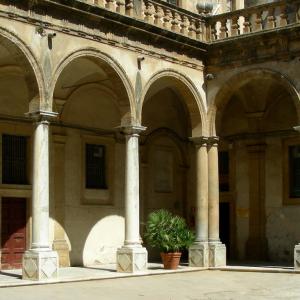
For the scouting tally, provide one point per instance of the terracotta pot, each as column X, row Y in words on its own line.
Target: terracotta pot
column 170, row 260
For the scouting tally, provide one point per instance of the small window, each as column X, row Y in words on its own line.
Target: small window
column 294, row 171
column 14, row 159
column 224, row 171
column 95, row 167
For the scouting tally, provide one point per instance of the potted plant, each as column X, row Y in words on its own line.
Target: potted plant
column 170, row 234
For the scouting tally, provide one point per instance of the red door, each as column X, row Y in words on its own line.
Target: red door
column 13, row 232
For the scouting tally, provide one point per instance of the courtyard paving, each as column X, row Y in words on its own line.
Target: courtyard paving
column 196, row 285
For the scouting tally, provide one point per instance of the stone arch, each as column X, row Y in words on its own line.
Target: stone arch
column 238, row 80
column 129, row 114
column 187, row 91
column 28, row 62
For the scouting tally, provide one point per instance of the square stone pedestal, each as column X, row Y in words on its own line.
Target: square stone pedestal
column 131, row 260
column 217, row 254
column 198, row 255
column 40, row 265
column 297, row 257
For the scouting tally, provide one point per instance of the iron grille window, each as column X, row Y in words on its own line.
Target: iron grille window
column 224, row 171
column 95, row 167
column 14, row 159
column 294, row 169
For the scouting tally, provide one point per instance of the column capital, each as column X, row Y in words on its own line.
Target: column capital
column 131, row 129
column 200, row 141
column 42, row 116
column 213, row 141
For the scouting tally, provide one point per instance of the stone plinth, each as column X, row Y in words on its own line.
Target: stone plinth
column 199, row 255
column 297, row 257
column 131, row 260
column 217, row 254
column 40, row 265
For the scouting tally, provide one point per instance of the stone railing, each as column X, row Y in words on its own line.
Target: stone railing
column 203, row 27
column 174, row 19
column 159, row 13
column 254, row 19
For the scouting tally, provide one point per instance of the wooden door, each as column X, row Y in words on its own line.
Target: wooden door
column 13, row 232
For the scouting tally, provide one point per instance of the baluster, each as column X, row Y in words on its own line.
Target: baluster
column 99, row 3
column 246, row 24
column 184, row 25
column 110, row 4
column 167, row 18
column 235, row 28
column 283, row 21
column 192, row 29
column 149, row 11
column 158, row 16
column 213, row 31
column 271, row 20
column 199, row 32
column 258, row 21
column 129, row 8
column 223, row 29
column 121, row 7
column 175, row 22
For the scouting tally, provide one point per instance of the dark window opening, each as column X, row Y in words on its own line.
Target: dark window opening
column 95, row 167
column 294, row 170
column 14, row 159
column 224, row 171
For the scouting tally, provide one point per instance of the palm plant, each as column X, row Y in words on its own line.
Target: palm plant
column 168, row 232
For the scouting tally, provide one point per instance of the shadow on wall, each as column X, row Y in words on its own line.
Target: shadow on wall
column 93, row 241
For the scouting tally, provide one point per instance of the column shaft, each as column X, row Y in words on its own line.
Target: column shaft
column 132, row 235
column 201, row 194
column 40, row 193
column 213, row 193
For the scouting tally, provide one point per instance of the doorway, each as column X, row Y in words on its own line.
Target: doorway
column 224, row 226
column 13, row 232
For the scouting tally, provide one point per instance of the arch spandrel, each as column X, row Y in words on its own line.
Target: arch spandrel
column 187, row 91
column 126, row 99
column 239, row 80
column 31, row 69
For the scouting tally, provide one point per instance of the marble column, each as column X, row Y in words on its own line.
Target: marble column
column 198, row 252
column 132, row 257
column 217, row 250
column 40, row 262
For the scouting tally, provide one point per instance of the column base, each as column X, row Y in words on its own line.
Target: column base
column 199, row 255
column 40, row 265
column 132, row 260
column 297, row 257
column 62, row 249
column 217, row 254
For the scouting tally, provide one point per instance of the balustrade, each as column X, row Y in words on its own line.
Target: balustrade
column 254, row 19
column 203, row 27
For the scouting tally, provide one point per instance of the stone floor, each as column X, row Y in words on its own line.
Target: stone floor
column 197, row 285
column 10, row 278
